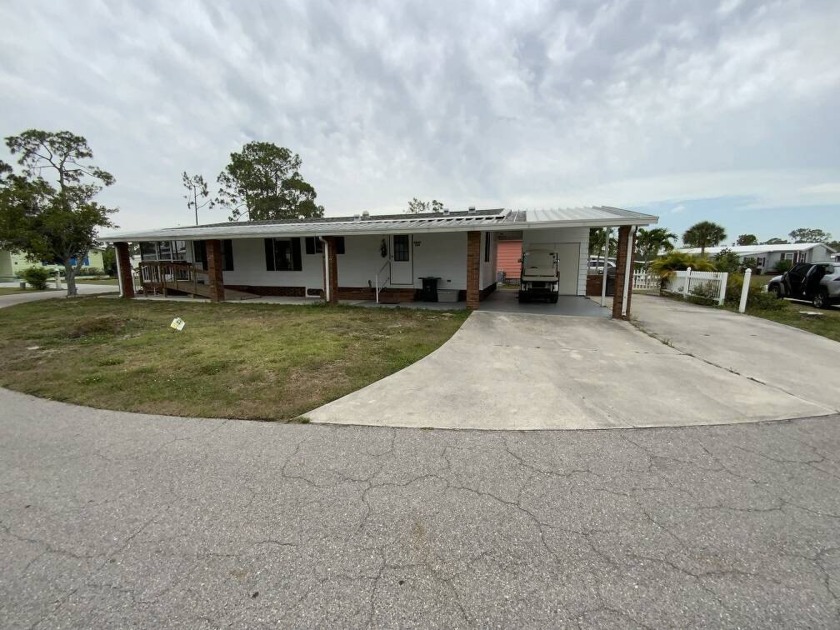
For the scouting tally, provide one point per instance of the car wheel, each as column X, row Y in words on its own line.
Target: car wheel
column 778, row 291
column 821, row 299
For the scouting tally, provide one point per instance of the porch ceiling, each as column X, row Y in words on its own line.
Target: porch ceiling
column 482, row 220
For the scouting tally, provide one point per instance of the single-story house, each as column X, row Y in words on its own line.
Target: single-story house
column 12, row 263
column 768, row 256
column 391, row 258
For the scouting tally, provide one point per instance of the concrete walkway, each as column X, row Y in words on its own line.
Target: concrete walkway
column 505, row 371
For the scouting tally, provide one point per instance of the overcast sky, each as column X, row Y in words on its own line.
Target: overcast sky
column 726, row 111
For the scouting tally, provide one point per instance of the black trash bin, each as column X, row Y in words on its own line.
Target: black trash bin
column 429, row 291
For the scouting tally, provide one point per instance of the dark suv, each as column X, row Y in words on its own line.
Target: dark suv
column 816, row 282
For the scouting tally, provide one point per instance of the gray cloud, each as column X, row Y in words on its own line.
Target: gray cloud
column 520, row 104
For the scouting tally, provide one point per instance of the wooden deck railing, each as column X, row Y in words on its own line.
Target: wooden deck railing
column 166, row 276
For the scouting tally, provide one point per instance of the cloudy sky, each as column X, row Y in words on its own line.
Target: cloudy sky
column 726, row 111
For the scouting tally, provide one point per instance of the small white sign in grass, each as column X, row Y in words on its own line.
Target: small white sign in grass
column 178, row 324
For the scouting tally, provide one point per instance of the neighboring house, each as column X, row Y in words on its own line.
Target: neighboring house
column 11, row 264
column 387, row 258
column 768, row 256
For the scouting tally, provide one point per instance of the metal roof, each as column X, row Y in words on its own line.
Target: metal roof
column 461, row 221
column 744, row 250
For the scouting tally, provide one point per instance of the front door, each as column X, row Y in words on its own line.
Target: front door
column 402, row 267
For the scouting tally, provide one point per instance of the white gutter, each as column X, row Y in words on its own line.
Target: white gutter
column 326, row 268
column 627, row 268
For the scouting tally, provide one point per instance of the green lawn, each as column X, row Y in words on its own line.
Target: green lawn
column 826, row 324
column 257, row 361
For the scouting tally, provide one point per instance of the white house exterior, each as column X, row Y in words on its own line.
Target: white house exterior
column 389, row 258
column 768, row 256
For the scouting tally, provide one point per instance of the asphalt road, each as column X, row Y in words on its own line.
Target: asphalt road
column 111, row 520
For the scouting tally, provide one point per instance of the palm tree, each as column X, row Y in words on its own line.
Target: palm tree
column 649, row 243
column 596, row 243
column 703, row 235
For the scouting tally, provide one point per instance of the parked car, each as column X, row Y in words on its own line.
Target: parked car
column 596, row 266
column 816, row 282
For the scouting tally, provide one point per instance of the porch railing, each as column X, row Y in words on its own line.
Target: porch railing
column 173, row 275
column 386, row 278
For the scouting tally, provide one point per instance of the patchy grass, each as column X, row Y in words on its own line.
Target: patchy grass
column 827, row 324
column 256, row 361
column 16, row 290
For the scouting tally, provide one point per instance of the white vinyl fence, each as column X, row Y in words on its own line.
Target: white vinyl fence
column 646, row 281
column 706, row 284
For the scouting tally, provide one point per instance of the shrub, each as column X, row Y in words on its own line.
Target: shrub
column 727, row 261
column 757, row 298
column 36, row 276
column 782, row 266
column 680, row 261
column 91, row 271
column 705, row 293
column 763, row 301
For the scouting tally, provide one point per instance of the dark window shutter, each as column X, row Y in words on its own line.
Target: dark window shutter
column 310, row 245
column 269, row 254
column 296, row 262
column 339, row 245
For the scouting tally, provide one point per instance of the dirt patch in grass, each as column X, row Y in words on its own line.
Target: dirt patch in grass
column 255, row 361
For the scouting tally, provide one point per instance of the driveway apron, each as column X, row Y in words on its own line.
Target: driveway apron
column 509, row 371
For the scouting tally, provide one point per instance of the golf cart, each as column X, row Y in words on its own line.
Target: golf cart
column 539, row 278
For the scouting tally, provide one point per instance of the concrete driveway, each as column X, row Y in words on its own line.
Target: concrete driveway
column 508, row 371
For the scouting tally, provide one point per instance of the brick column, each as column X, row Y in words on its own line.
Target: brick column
column 473, row 269
column 214, row 270
column 124, row 270
column 332, row 264
column 624, row 255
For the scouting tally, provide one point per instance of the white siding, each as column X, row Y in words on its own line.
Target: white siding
column 249, row 268
column 443, row 256
column 553, row 239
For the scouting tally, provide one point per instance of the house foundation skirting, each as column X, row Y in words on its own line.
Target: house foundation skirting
column 269, row 291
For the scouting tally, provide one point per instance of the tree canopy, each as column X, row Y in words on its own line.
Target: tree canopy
column 704, row 234
column 650, row 243
column 747, row 239
column 415, row 206
column 263, row 181
column 47, row 211
column 809, row 235
column 775, row 241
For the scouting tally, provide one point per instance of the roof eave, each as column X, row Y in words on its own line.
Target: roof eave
column 188, row 235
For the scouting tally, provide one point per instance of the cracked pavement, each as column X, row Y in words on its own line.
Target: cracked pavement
column 113, row 520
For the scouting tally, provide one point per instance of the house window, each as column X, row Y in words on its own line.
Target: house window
column 163, row 250
column 200, row 254
column 314, row 245
column 282, row 254
column 400, row 252
column 487, row 242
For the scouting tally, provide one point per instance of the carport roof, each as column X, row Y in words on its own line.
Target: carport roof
column 498, row 219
